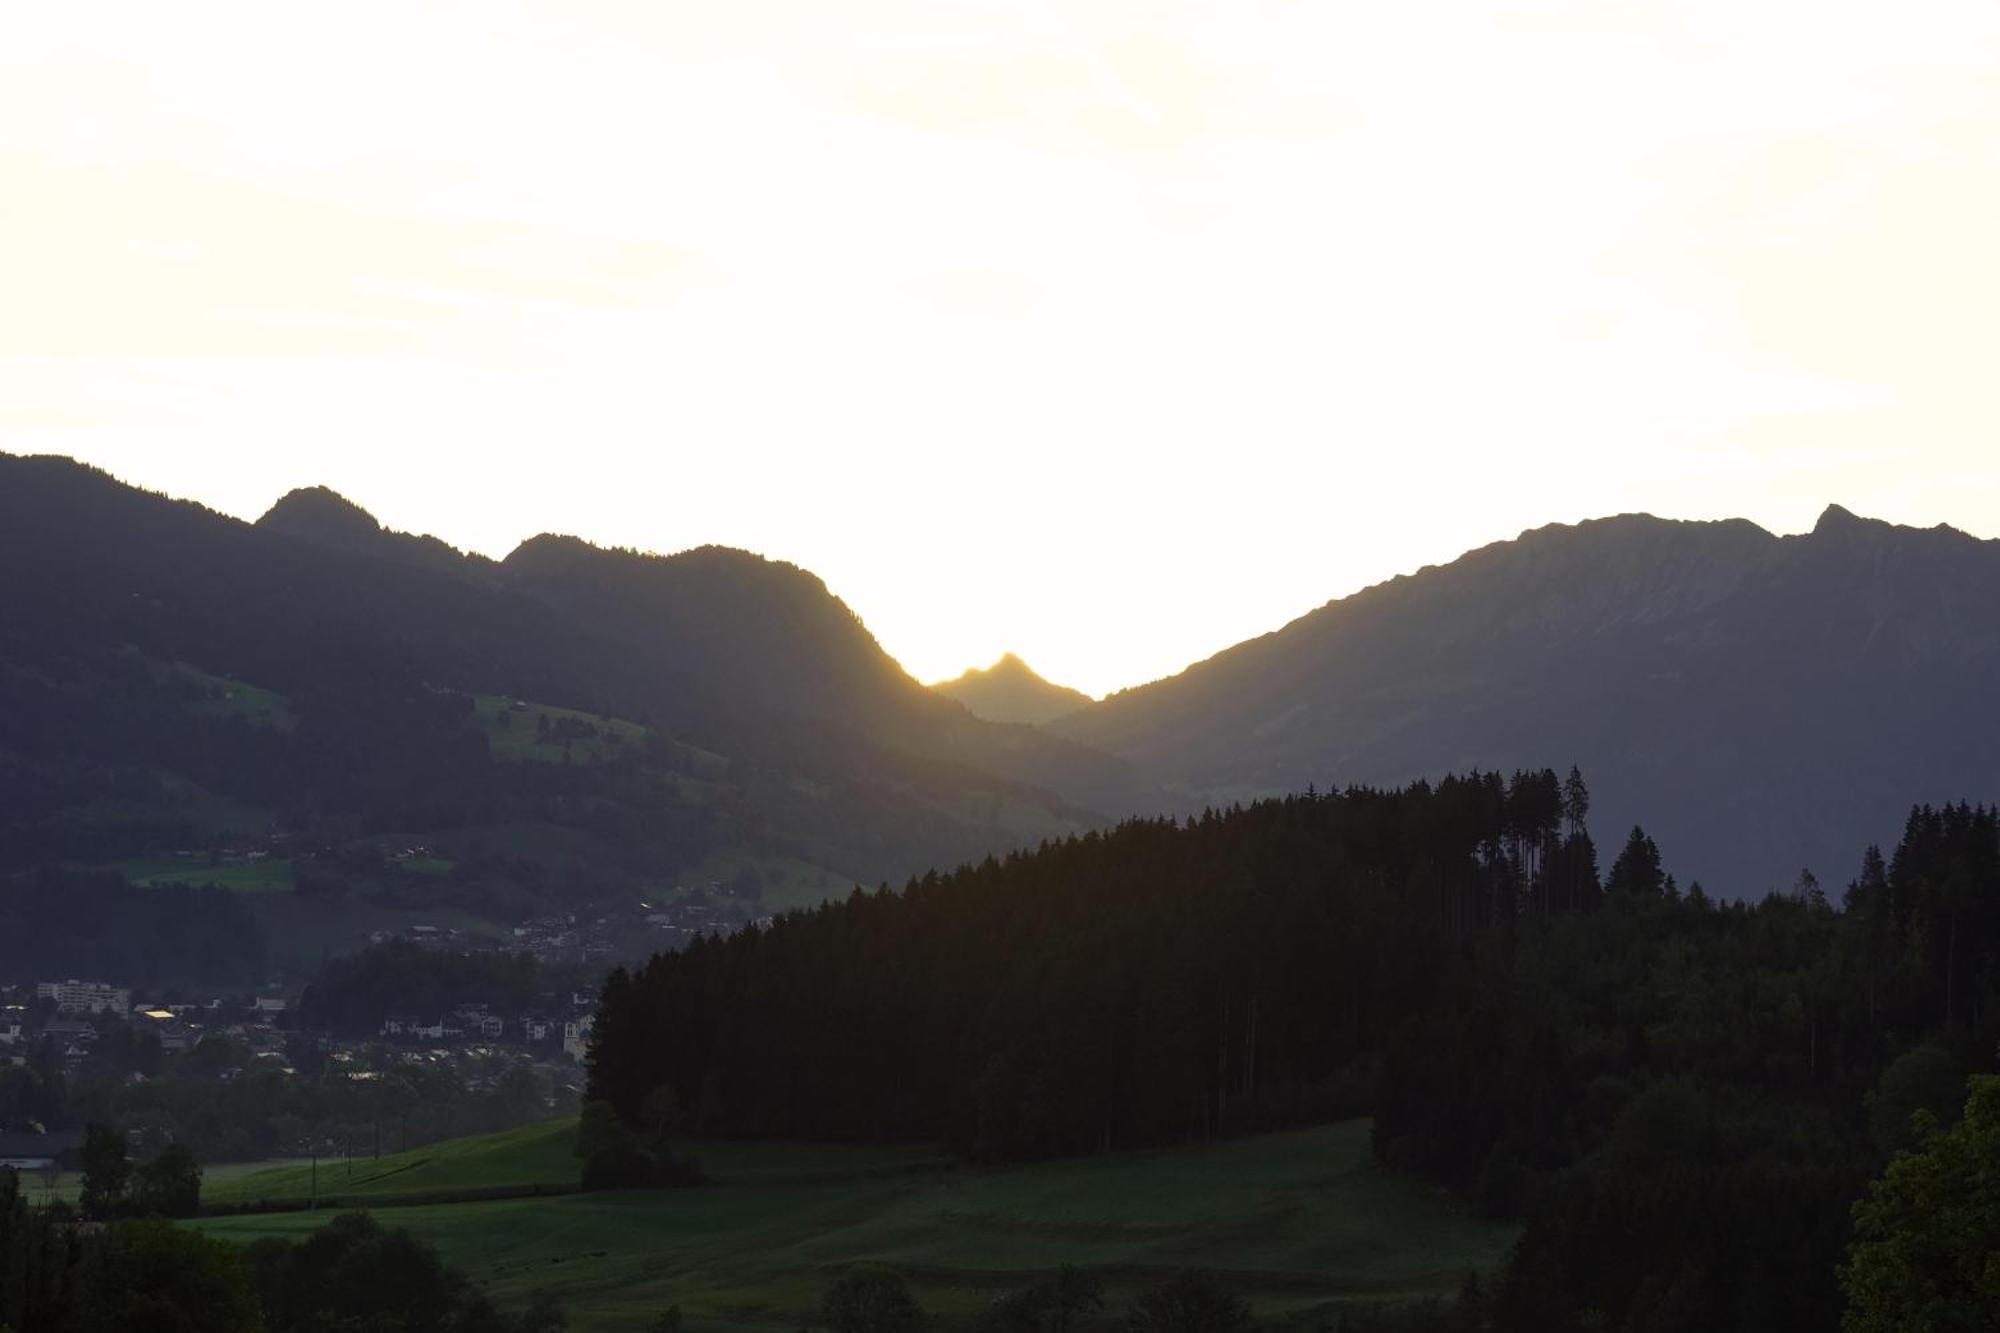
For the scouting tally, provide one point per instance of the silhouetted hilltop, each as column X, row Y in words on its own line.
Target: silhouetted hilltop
column 1011, row 691
column 171, row 677
column 1763, row 701
column 769, row 631
column 323, row 516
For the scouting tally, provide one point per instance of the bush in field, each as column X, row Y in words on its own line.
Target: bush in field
column 870, row 1301
column 616, row 1158
column 1189, row 1303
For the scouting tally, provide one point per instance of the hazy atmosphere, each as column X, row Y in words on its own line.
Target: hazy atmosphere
column 1026, row 326
column 1000, row 666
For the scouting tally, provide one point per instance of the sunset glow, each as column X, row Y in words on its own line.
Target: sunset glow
column 1029, row 327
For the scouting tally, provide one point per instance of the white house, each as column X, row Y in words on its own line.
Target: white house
column 85, row 997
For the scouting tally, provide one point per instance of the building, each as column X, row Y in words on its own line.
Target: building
column 576, row 1037
column 85, row 997
column 69, row 1031
column 174, row 1034
column 415, row 1027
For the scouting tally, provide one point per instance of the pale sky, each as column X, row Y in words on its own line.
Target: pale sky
column 1107, row 333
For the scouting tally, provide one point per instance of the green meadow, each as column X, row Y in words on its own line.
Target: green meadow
column 784, row 883
column 512, row 733
column 222, row 696
column 1296, row 1220
column 529, row 1156
column 271, row 874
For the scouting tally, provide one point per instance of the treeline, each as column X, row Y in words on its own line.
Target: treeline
column 146, row 1276
column 1682, row 1098
column 67, row 923
column 1157, row 983
column 355, row 994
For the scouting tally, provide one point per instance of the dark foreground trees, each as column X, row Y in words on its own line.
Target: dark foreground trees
column 874, row 1300
column 1679, row 1097
column 356, row 1273
column 130, row 1277
column 1054, row 1306
column 1158, row 983
column 153, row 1277
column 1926, row 1252
column 167, row 1186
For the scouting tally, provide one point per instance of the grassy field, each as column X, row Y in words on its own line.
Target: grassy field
column 785, row 882
column 1296, row 1220
column 221, row 696
column 513, row 734
column 270, row 875
column 536, row 1156
column 216, row 1181
column 532, row 1155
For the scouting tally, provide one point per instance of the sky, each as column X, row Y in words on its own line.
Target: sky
column 1107, row 333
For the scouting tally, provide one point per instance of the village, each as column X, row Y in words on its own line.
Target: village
column 525, row 1054
column 72, row 1032
column 67, row 1018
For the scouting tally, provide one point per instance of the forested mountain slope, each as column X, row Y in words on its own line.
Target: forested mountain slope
column 173, row 679
column 1763, row 700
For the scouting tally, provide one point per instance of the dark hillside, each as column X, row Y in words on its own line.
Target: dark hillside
column 768, row 638
column 317, row 514
column 1762, row 701
column 173, row 679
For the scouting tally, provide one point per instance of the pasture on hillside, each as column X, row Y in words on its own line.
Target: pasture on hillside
column 517, row 730
column 265, row 875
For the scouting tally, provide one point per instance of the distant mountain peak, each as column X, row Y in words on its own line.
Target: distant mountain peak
column 1839, row 518
column 324, row 517
column 1839, row 521
column 1756, row 699
column 1012, row 691
column 319, row 512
